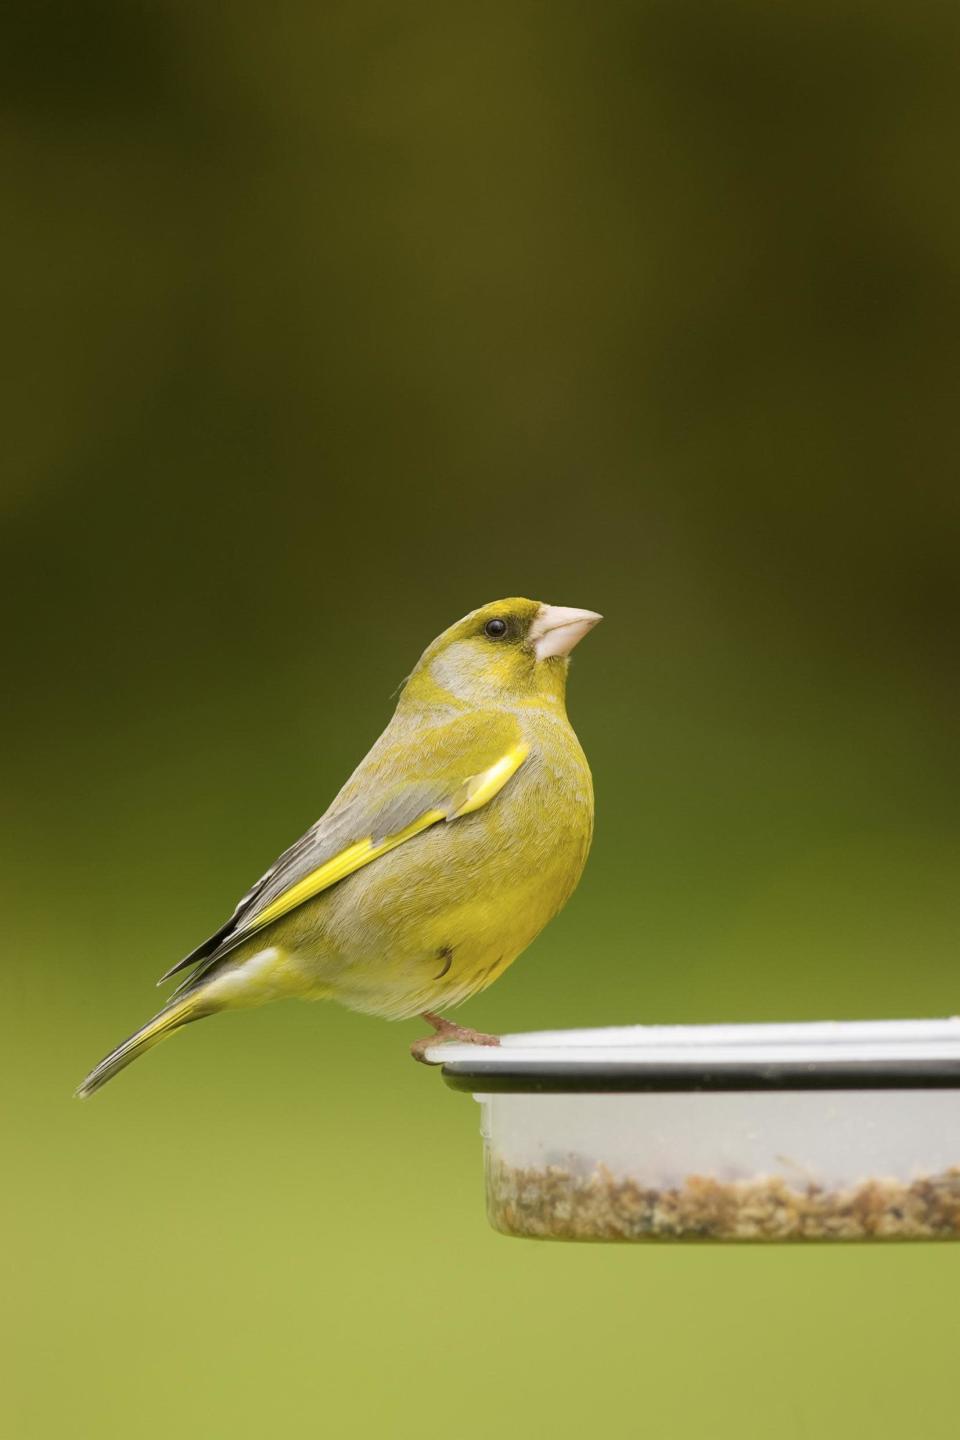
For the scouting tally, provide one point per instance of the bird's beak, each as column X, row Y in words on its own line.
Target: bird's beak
column 557, row 628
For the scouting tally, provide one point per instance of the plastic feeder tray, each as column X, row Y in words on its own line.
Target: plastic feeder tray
column 828, row 1131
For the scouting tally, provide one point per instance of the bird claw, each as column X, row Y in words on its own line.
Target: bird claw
column 445, row 1030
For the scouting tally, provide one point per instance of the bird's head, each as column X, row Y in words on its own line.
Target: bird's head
column 516, row 650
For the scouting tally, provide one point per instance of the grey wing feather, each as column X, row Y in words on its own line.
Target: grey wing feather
column 344, row 824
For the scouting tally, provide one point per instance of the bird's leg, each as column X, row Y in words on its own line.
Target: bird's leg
column 446, row 1030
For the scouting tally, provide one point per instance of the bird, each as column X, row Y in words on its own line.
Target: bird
column 458, row 837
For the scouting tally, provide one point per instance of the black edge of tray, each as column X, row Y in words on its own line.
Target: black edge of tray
column 605, row 1077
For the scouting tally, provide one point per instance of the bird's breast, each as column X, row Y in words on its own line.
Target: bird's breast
column 444, row 914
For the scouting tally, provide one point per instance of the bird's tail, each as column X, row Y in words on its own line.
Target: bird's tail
column 172, row 1017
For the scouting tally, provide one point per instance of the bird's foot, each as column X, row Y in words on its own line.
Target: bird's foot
column 446, row 1030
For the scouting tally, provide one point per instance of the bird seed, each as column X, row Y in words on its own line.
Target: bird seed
column 559, row 1204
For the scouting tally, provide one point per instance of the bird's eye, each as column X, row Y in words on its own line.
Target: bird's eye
column 496, row 629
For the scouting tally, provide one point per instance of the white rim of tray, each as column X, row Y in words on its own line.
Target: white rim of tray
column 815, row 1055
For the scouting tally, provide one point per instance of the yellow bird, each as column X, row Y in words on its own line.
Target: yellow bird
column 453, row 843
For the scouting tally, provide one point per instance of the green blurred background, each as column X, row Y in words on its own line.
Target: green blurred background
column 326, row 323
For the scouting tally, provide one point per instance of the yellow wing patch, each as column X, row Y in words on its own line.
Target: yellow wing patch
column 481, row 788
column 478, row 791
column 353, row 858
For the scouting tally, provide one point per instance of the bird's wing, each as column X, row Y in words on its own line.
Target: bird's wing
column 400, row 790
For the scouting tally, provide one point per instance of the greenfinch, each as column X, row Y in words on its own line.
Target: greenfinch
column 453, row 843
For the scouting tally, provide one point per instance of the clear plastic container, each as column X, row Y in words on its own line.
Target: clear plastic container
column 830, row 1131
